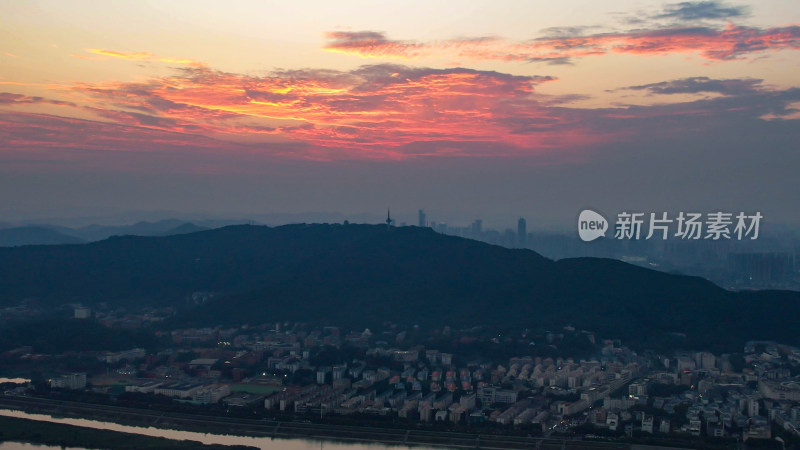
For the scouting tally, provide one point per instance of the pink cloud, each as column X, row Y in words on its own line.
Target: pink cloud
column 716, row 44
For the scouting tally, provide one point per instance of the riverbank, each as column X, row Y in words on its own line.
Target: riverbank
column 55, row 434
column 289, row 430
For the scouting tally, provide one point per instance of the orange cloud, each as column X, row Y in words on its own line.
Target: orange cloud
column 384, row 111
column 140, row 56
column 371, row 109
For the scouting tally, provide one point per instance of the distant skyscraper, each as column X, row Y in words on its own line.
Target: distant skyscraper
column 522, row 232
column 388, row 219
column 422, row 221
column 477, row 229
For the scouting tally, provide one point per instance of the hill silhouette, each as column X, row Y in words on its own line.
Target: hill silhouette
column 362, row 275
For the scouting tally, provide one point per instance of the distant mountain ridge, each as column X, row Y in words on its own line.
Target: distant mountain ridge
column 158, row 228
column 361, row 275
column 185, row 228
column 53, row 234
column 33, row 235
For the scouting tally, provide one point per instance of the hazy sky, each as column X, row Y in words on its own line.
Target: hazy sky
column 468, row 109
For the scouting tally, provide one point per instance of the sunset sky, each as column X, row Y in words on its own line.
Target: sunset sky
column 493, row 109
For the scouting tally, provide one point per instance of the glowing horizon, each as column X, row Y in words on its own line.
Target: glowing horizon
column 539, row 82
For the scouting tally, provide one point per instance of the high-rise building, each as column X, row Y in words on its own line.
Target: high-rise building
column 422, row 218
column 522, row 232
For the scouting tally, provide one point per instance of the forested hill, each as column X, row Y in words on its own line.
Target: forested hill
column 360, row 275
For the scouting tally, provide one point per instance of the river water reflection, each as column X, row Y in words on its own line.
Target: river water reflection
column 206, row 438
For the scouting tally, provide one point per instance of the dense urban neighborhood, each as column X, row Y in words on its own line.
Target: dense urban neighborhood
column 561, row 382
